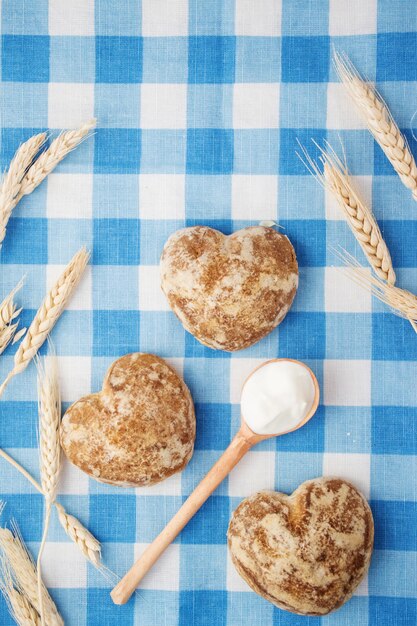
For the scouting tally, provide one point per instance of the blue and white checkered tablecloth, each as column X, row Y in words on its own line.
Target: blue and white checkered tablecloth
column 199, row 106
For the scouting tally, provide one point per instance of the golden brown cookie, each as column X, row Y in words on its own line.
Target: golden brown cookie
column 229, row 291
column 138, row 430
column 306, row 552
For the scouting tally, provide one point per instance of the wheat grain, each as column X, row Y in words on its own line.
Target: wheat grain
column 25, row 576
column 336, row 179
column 80, row 535
column 8, row 313
column 379, row 120
column 49, row 159
column 48, row 314
column 20, row 608
column 12, row 180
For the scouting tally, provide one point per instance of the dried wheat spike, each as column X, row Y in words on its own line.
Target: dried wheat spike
column 379, row 121
column 8, row 313
column 11, row 184
column 80, row 535
column 21, row 609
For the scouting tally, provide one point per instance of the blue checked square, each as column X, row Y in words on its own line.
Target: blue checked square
column 161, row 333
column 224, row 226
column 392, row 201
column 258, row 60
column 213, row 426
column 241, row 604
column 392, row 338
column 109, row 613
column 23, row 415
column 312, row 113
column 293, row 468
column 35, row 112
column 353, row 612
column 209, row 151
column 117, row 150
column 390, row 475
column 203, row 608
column 72, row 59
column 208, row 197
column 34, row 286
column 119, row 59
column 209, row 525
column 163, row 151
column 27, row 511
column 35, row 19
column 120, row 525
column 26, row 241
column 25, row 58
column 78, row 232
column 195, row 349
column 153, row 235
column 126, row 20
column 256, row 151
column 208, row 379
column 113, row 191
column 395, row 233
column 395, row 524
column 359, row 147
column 391, row 16
column 382, row 166
column 299, row 18
column 310, row 293
column 290, row 139
column 67, row 600
column 115, row 287
column 300, row 196
column 393, row 430
column 117, row 106
column 305, row 59
column 211, row 18
column 202, row 462
column 348, row 429
column 388, row 610
column 109, row 332
column 309, row 240
column 116, row 242
column 302, row 335
column 310, row 438
column 11, row 138
column 389, row 574
column 211, row 59
column 210, row 106
column 158, row 607
column 165, row 59
column 348, row 336
column 394, row 380
column 389, row 67
column 153, row 514
column 203, row 567
column 73, row 334
column 361, row 50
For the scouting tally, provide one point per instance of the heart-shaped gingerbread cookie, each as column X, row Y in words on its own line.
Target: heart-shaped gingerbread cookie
column 138, row 430
column 306, row 552
column 229, row 291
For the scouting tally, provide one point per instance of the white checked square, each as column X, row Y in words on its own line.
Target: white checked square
column 72, row 481
column 234, row 582
column 363, row 188
column 81, row 300
column 163, row 106
column 165, row 574
column 70, row 104
column 342, row 295
column 151, row 297
column 161, row 196
column 163, row 18
column 255, row 471
column 239, row 371
column 341, row 112
column 68, row 560
column 75, row 377
column 254, row 197
column 71, row 18
column 347, row 383
column 352, row 18
column 169, row 487
column 255, row 105
column 262, row 18
column 69, row 196
column 356, row 468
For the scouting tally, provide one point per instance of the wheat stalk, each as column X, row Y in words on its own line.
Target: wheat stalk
column 49, row 159
column 12, row 180
column 48, row 314
column 379, row 121
column 8, row 313
column 49, row 448
column 25, row 576
column 80, row 535
column 20, row 608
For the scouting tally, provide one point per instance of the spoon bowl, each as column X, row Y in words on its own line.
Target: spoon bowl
column 244, row 439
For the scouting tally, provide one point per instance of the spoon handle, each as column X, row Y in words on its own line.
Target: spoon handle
column 231, row 456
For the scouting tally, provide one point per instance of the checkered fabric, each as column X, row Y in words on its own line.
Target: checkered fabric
column 199, row 106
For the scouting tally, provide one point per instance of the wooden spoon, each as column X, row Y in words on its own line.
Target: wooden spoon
column 244, row 439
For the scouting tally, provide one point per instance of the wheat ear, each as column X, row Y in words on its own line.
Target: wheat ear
column 8, row 313
column 49, row 448
column 336, row 179
column 12, row 180
column 25, row 576
column 379, row 121
column 49, row 159
column 22, row 611
column 48, row 314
